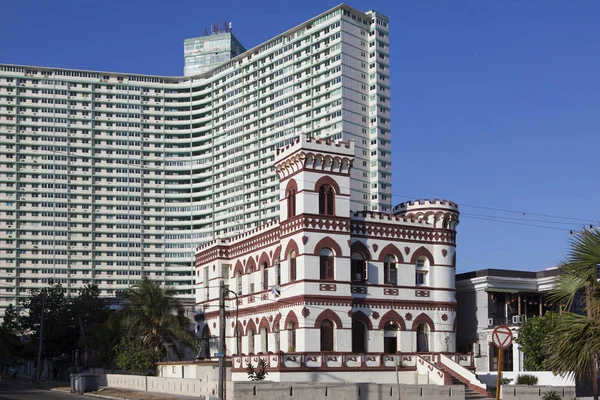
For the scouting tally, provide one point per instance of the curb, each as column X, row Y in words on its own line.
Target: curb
column 93, row 395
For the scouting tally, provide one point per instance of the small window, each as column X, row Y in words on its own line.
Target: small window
column 293, row 275
column 326, row 200
column 326, row 264
column 390, row 271
column 327, row 336
column 421, row 270
column 291, row 203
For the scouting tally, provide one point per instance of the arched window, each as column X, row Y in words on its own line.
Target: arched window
column 327, row 335
column 291, row 203
column 251, row 279
column 326, row 200
column 359, row 268
column 390, row 338
column 293, row 265
column 390, row 271
column 359, row 337
column 238, row 340
column 421, row 270
column 278, row 271
column 239, row 282
column 326, row 263
column 291, row 336
column 265, row 275
column 250, row 341
column 423, row 338
column 264, row 340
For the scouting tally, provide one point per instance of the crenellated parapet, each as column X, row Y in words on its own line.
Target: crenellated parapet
column 318, row 155
column 442, row 214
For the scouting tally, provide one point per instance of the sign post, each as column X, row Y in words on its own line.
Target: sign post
column 502, row 338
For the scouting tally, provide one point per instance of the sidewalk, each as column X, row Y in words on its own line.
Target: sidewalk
column 127, row 394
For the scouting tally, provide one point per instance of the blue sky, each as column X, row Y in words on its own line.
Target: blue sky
column 494, row 103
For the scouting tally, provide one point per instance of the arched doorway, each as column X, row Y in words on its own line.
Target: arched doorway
column 390, row 338
column 422, row 338
column 205, row 353
column 359, row 337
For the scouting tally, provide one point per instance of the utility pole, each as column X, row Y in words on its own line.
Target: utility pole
column 221, row 390
column 38, row 371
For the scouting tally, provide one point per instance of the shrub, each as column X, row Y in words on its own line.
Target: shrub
column 527, row 380
column 257, row 374
column 551, row 395
column 505, row 381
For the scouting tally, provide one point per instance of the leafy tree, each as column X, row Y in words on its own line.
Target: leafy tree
column 574, row 346
column 533, row 334
column 10, row 345
column 155, row 318
column 60, row 334
column 90, row 314
column 136, row 358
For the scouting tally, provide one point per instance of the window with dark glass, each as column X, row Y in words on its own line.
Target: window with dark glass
column 265, row 276
column 390, row 271
column 326, row 264
column 291, row 203
column 326, row 200
column 326, row 335
column 293, row 265
column 359, row 268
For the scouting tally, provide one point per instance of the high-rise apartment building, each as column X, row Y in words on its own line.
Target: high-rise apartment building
column 216, row 47
column 108, row 177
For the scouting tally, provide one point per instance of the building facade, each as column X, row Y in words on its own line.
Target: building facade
column 107, row 177
column 328, row 287
column 491, row 297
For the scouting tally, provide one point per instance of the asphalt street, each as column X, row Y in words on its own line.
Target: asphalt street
column 10, row 391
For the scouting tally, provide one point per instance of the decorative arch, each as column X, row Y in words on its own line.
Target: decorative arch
column 422, row 252
column 276, row 254
column 361, row 317
column 250, row 325
column 250, row 263
column 330, row 315
column 291, row 317
column 392, row 316
column 276, row 323
column 327, row 180
column 330, row 243
column 238, row 269
column 291, row 185
column 360, row 247
column 423, row 319
column 263, row 258
column 290, row 246
column 264, row 323
column 239, row 326
column 393, row 250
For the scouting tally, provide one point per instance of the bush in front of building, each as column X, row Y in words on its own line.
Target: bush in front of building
column 527, row 379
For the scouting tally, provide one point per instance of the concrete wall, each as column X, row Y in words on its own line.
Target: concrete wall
column 545, row 378
column 177, row 386
column 356, row 391
column 524, row 392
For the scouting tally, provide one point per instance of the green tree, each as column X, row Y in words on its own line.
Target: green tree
column 153, row 317
column 136, row 358
column 574, row 346
column 10, row 343
column 60, row 333
column 90, row 314
column 533, row 334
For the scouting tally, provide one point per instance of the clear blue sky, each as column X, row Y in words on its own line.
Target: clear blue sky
column 494, row 103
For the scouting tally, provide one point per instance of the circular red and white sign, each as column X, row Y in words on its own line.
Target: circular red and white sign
column 502, row 337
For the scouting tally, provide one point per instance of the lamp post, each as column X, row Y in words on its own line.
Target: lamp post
column 38, row 371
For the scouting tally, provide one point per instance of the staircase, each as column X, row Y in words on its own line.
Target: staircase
column 470, row 394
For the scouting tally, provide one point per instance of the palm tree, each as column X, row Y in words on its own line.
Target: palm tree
column 155, row 317
column 574, row 348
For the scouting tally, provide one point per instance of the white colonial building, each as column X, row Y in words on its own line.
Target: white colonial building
column 327, row 288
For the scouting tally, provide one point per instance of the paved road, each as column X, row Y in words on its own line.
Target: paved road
column 10, row 391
